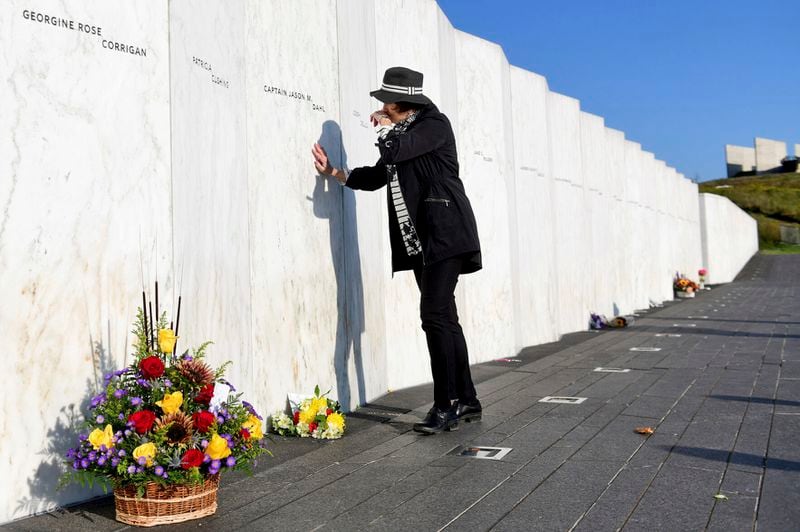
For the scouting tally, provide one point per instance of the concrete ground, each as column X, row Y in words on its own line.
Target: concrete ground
column 720, row 387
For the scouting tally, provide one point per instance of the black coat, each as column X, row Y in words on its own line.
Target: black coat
column 427, row 171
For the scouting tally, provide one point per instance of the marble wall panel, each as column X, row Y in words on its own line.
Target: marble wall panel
column 84, row 218
column 649, row 253
column 571, row 219
column 486, row 158
column 769, row 154
column 593, row 151
column 537, row 302
column 617, row 234
column 634, row 229
column 365, row 216
column 209, row 182
column 407, row 353
column 297, row 259
column 730, row 237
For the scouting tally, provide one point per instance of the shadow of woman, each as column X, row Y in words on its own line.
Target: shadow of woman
column 338, row 205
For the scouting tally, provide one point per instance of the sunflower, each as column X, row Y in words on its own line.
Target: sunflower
column 179, row 428
column 196, row 371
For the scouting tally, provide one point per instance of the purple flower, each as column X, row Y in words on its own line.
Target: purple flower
column 252, row 410
column 165, row 475
column 98, row 399
column 214, row 466
column 85, row 463
column 230, row 461
column 228, row 384
column 127, row 432
column 107, row 377
column 119, row 394
column 71, row 453
column 167, row 383
column 82, row 436
column 101, row 460
column 159, row 471
column 131, row 469
column 220, row 420
column 140, row 470
column 114, row 462
column 99, row 419
column 206, row 459
column 120, row 372
column 121, row 416
column 136, row 401
column 76, row 464
column 143, row 383
column 204, row 444
column 92, row 456
column 142, row 460
column 122, row 452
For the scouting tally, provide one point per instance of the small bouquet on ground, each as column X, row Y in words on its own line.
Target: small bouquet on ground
column 318, row 417
column 702, row 272
column 597, row 322
column 152, row 422
column 683, row 286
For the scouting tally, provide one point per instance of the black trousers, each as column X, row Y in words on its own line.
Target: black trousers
column 446, row 344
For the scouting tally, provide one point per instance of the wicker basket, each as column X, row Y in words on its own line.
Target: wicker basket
column 162, row 505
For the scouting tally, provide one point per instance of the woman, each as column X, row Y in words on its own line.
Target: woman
column 432, row 229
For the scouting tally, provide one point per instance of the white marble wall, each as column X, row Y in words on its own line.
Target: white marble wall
column 486, row 158
column 84, row 202
column 536, row 296
column 191, row 164
column 297, row 260
column 570, row 225
column 209, row 182
column 730, row 238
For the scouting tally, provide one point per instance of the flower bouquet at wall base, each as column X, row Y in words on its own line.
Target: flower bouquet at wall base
column 153, row 436
column 701, row 273
column 684, row 287
column 317, row 417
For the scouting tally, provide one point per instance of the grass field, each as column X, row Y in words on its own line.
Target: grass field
column 773, row 200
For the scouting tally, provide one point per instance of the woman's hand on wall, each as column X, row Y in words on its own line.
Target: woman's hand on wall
column 323, row 165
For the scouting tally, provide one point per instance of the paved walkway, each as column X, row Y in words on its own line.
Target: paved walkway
column 721, row 388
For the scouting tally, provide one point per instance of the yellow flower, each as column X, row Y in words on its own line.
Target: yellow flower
column 335, row 419
column 253, row 426
column 148, row 450
column 102, row 437
column 308, row 415
column 319, row 405
column 166, row 340
column 218, row 448
column 171, row 402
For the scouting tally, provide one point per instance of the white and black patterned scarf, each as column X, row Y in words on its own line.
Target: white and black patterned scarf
column 407, row 230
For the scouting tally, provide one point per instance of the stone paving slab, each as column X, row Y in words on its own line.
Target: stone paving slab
column 723, row 399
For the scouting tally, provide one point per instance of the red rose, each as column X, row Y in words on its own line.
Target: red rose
column 192, row 458
column 297, row 417
column 142, row 420
column 312, row 427
column 203, row 420
column 205, row 394
column 245, row 434
column 329, row 411
column 151, row 367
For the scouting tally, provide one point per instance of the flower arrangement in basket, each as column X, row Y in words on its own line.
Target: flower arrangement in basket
column 684, row 287
column 153, row 436
column 317, row 417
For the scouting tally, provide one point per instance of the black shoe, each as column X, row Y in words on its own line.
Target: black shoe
column 438, row 420
column 469, row 411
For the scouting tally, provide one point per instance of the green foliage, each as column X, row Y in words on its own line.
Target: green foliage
column 772, row 199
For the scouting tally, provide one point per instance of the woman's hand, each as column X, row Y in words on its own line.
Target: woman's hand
column 323, row 165
column 321, row 162
column 380, row 118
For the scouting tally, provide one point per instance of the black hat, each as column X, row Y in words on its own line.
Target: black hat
column 401, row 85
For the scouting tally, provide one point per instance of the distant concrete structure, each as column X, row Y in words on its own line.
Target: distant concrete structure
column 769, row 154
column 739, row 159
column 764, row 158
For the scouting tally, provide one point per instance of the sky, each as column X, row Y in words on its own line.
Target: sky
column 683, row 78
